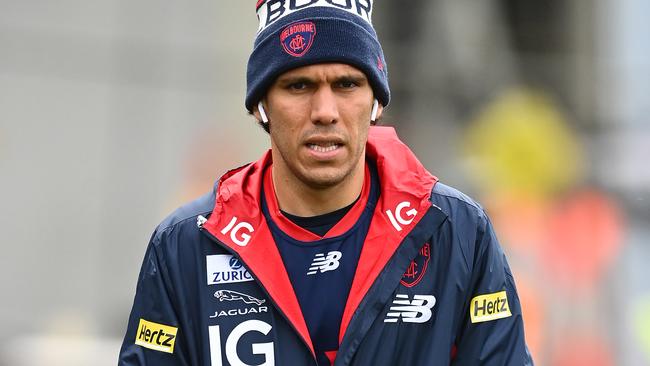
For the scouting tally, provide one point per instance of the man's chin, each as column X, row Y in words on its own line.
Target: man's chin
column 324, row 179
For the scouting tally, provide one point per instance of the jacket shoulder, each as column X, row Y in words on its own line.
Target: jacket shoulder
column 466, row 222
column 187, row 214
column 456, row 204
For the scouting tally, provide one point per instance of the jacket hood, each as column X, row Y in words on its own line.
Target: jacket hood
column 238, row 223
column 402, row 178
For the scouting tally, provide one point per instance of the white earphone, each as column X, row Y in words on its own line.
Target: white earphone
column 375, row 110
column 260, row 108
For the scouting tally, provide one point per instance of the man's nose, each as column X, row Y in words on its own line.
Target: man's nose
column 324, row 107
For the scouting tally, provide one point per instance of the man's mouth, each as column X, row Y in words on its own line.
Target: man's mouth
column 324, row 147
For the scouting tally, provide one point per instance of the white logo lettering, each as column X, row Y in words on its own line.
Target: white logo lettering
column 398, row 218
column 241, row 239
column 416, row 311
column 224, row 268
column 273, row 10
column 265, row 349
column 324, row 263
column 245, row 311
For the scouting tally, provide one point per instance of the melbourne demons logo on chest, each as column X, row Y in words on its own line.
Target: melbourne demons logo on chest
column 418, row 267
column 297, row 38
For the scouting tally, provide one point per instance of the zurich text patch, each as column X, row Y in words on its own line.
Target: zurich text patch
column 488, row 307
column 156, row 336
column 225, row 268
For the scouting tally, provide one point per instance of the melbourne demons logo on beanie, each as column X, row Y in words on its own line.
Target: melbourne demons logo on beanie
column 297, row 38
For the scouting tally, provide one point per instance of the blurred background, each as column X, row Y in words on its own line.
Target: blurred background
column 113, row 113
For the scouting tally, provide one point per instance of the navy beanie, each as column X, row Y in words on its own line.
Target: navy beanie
column 295, row 33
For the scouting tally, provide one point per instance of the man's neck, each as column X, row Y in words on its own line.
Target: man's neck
column 300, row 199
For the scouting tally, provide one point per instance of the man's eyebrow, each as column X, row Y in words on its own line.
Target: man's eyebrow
column 288, row 80
column 355, row 78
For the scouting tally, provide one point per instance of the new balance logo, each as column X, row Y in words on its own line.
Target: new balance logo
column 323, row 263
column 417, row 310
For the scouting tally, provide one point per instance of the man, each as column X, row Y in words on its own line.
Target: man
column 337, row 247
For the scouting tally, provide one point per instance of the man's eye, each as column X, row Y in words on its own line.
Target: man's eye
column 347, row 84
column 298, row 86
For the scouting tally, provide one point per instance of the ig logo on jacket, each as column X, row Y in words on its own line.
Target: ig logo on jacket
column 233, row 339
column 403, row 215
column 240, row 232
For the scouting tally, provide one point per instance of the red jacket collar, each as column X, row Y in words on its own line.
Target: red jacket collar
column 304, row 235
column 402, row 177
column 238, row 223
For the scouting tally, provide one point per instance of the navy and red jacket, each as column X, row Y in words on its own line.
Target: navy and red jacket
column 432, row 286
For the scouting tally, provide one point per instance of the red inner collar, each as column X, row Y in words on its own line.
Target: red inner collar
column 297, row 232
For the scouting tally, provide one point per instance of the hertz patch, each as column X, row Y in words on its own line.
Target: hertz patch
column 484, row 308
column 156, row 336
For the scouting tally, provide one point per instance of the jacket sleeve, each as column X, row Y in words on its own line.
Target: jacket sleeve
column 492, row 330
column 154, row 336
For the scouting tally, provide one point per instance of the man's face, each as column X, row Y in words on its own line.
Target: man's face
column 319, row 120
